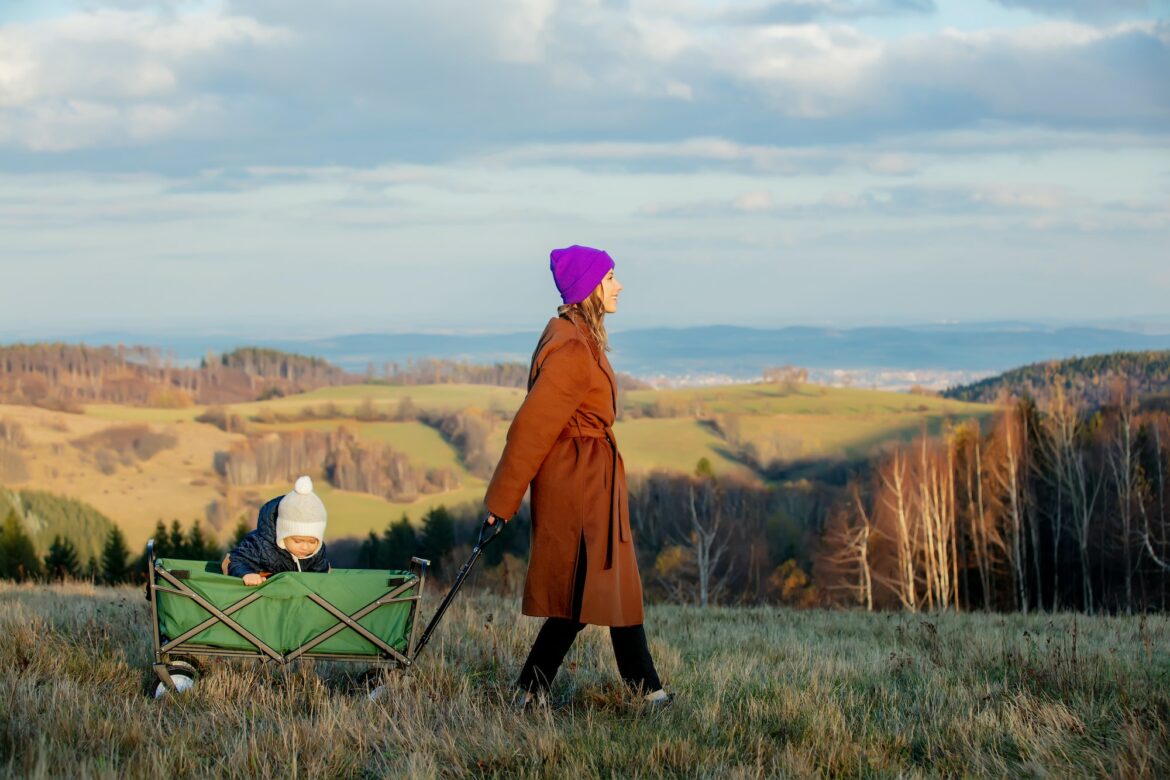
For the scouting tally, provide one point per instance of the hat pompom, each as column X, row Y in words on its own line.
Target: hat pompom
column 304, row 485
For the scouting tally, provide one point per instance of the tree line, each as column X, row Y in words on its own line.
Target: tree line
column 43, row 516
column 64, row 376
column 114, row 564
column 1092, row 379
column 1059, row 505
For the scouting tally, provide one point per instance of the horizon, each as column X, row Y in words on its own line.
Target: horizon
column 1153, row 325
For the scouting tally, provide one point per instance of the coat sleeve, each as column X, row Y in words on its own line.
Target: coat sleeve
column 561, row 385
column 244, row 559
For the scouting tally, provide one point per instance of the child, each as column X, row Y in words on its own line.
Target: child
column 289, row 537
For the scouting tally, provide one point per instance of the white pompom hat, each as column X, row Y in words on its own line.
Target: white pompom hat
column 300, row 513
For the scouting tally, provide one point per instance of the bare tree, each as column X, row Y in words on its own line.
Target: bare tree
column 1125, row 471
column 904, row 582
column 1162, row 560
column 708, row 536
column 1008, row 478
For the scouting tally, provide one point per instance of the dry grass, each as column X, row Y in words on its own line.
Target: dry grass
column 762, row 692
column 174, row 483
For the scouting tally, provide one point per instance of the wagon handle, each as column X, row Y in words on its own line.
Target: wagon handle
column 492, row 530
column 487, row 534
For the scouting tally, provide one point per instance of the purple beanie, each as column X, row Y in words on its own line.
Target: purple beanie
column 577, row 270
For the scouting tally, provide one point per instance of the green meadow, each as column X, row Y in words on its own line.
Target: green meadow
column 770, row 398
column 423, row 443
column 675, row 445
column 736, row 428
column 356, row 514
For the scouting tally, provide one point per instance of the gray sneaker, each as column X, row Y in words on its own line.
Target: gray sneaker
column 527, row 701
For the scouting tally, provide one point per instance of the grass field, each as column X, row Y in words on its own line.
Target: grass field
column 674, row 444
column 760, row 693
column 423, row 443
column 386, row 397
column 802, row 422
column 178, row 482
column 356, row 514
column 771, row 398
column 800, row 436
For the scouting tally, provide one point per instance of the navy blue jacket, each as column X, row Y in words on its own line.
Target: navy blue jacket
column 258, row 552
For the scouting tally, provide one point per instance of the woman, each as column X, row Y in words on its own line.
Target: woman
column 582, row 569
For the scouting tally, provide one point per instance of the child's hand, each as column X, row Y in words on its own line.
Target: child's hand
column 252, row 578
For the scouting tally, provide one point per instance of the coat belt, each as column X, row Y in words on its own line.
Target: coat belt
column 619, row 524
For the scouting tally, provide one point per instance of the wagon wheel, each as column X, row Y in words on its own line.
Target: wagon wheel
column 182, row 676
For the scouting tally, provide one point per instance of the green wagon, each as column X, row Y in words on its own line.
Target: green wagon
column 364, row 615
column 361, row 615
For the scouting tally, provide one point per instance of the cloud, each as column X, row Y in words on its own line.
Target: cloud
column 280, row 83
column 116, row 78
column 1088, row 9
column 789, row 12
column 908, row 202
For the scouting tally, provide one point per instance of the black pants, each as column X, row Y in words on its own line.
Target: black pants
column 556, row 637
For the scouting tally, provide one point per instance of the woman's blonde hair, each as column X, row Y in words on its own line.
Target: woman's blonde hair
column 591, row 311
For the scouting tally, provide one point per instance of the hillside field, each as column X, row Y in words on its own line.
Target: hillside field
column 761, row 692
column 660, row 430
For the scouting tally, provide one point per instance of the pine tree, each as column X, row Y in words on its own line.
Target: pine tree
column 61, row 563
column 438, row 535
column 176, row 544
column 242, row 530
column 162, row 543
column 18, row 557
column 399, row 545
column 114, row 567
column 369, row 552
column 92, row 570
column 199, row 546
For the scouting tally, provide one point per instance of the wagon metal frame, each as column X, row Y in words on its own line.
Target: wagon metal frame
column 405, row 588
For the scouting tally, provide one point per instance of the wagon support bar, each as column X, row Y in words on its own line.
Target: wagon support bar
column 350, row 621
column 223, row 616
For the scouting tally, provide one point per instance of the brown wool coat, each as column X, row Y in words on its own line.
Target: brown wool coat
column 561, row 442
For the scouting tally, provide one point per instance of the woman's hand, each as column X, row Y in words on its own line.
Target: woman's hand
column 491, row 519
column 251, row 578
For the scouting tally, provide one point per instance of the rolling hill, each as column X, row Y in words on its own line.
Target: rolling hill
column 100, row 456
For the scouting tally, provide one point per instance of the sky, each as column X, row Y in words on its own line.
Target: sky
column 295, row 168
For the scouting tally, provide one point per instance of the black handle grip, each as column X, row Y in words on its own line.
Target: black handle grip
column 492, row 530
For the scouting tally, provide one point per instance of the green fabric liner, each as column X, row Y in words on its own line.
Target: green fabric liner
column 284, row 617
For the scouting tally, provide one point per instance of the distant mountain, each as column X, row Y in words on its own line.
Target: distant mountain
column 743, row 353
column 1096, row 378
column 733, row 352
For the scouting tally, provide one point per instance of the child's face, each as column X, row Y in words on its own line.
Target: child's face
column 301, row 546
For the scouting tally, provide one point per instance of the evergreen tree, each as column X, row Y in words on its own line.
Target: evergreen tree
column 199, row 546
column 243, row 528
column 370, row 552
column 18, row 557
column 92, row 570
column 162, row 543
column 114, row 566
column 176, row 544
column 438, row 535
column 61, row 563
column 400, row 544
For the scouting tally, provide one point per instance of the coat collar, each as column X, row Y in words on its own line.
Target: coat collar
column 598, row 355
